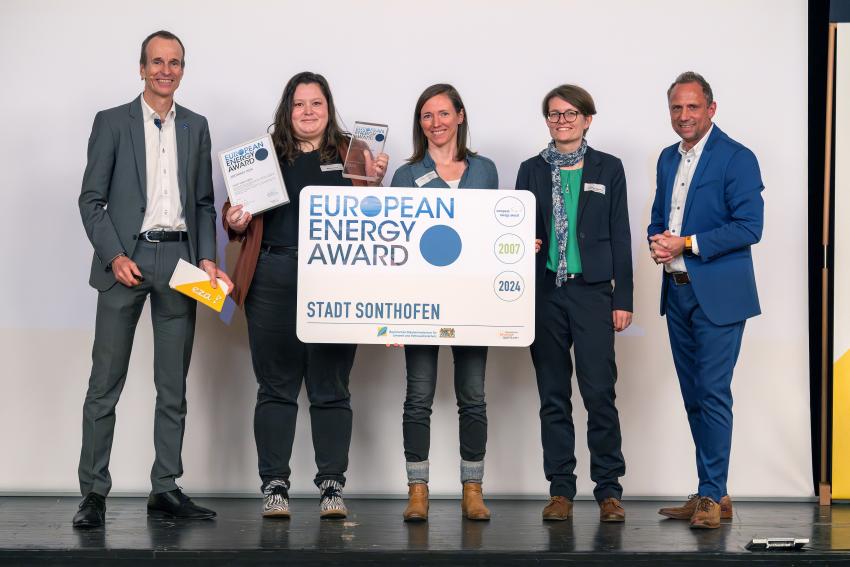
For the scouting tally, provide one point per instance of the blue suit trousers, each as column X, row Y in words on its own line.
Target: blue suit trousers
column 705, row 355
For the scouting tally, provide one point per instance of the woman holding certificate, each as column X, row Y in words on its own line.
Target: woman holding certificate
column 584, row 295
column 311, row 148
column 441, row 160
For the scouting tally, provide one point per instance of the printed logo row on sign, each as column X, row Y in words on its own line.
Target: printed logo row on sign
column 509, row 249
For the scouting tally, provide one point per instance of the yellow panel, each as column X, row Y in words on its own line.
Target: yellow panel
column 204, row 293
column 841, row 428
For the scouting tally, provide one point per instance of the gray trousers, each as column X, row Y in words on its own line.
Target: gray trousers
column 173, row 319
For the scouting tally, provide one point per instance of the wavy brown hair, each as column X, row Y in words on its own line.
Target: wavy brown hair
column 420, row 142
column 285, row 143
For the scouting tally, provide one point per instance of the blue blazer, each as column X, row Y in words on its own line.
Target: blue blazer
column 480, row 173
column 725, row 211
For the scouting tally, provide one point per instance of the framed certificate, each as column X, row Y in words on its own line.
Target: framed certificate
column 416, row 266
column 252, row 175
column 367, row 142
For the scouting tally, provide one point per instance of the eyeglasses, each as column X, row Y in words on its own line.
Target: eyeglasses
column 569, row 116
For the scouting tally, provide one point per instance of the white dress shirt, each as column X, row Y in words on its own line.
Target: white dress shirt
column 164, row 210
column 684, row 175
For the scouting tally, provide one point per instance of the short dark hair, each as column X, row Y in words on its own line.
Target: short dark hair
column 143, row 58
column 286, row 144
column 574, row 95
column 691, row 77
column 420, row 142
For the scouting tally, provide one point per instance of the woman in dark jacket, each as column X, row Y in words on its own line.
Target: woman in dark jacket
column 584, row 295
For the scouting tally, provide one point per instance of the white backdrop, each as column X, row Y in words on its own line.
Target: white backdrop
column 63, row 61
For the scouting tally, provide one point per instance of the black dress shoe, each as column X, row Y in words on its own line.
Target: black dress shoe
column 175, row 504
column 92, row 512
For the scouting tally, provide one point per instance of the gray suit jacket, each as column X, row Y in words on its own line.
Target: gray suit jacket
column 114, row 193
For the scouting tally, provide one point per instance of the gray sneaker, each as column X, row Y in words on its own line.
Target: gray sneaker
column 332, row 506
column 276, row 499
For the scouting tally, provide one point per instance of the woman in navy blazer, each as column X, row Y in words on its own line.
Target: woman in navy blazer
column 584, row 295
column 441, row 160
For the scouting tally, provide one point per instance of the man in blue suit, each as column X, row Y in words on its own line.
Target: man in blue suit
column 708, row 212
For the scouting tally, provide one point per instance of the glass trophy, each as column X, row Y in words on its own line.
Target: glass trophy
column 367, row 141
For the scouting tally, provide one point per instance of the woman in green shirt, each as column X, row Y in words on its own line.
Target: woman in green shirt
column 584, row 295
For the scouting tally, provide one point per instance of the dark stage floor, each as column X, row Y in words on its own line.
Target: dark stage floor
column 37, row 530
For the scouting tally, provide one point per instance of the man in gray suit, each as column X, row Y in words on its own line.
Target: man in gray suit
column 146, row 202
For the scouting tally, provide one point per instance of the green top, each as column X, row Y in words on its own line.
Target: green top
column 570, row 189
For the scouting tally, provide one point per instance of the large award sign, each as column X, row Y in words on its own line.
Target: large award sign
column 416, row 266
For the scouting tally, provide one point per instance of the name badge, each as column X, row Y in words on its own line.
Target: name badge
column 426, row 178
column 331, row 167
column 595, row 187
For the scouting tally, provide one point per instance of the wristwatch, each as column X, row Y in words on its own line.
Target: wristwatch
column 688, row 246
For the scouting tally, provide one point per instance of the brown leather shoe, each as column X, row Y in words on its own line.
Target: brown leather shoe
column 686, row 511
column 707, row 514
column 417, row 502
column 559, row 508
column 472, row 506
column 610, row 510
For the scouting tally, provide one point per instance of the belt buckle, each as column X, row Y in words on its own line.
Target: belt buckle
column 681, row 278
column 148, row 236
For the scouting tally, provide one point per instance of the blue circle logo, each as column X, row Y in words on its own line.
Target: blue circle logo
column 261, row 154
column 241, row 151
column 440, row 245
column 379, row 137
column 370, row 206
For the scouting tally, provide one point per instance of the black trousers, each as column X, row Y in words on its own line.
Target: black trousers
column 281, row 363
column 577, row 315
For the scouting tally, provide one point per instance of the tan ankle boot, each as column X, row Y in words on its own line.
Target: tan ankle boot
column 417, row 502
column 473, row 507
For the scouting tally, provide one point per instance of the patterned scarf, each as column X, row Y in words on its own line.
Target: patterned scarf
column 556, row 161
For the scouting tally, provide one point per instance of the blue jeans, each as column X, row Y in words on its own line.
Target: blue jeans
column 470, row 362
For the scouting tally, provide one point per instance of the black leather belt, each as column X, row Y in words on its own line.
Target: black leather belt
column 679, row 278
column 164, row 236
column 286, row 250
